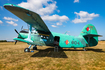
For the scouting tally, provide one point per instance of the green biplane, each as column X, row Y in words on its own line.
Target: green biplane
column 42, row 36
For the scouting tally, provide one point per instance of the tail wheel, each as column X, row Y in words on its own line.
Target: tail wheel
column 26, row 50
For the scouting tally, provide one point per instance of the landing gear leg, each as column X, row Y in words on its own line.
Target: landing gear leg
column 74, row 48
column 34, row 47
column 84, row 49
column 56, row 48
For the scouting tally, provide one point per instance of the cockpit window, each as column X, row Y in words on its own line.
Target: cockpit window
column 27, row 31
column 23, row 31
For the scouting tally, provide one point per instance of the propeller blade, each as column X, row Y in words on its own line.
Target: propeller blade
column 15, row 42
column 16, row 31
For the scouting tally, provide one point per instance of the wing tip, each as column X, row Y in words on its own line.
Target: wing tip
column 12, row 5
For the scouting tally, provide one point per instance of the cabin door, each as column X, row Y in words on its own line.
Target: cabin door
column 56, row 40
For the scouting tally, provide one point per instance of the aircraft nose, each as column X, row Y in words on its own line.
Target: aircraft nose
column 17, row 33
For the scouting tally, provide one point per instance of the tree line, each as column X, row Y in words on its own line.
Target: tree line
column 3, row 40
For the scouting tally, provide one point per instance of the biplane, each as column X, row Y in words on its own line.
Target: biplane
column 42, row 36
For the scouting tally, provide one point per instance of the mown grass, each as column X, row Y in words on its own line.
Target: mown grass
column 13, row 57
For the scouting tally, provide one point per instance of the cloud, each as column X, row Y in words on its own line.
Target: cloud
column 76, row 1
column 12, row 23
column 59, row 23
column 55, row 18
column 83, row 17
column 53, row 26
column 45, row 8
column 41, row 7
column 1, row 7
column 58, row 11
column 9, row 18
column 59, row 19
column 1, row 22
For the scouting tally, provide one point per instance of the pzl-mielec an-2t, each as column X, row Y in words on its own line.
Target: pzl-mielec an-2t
column 44, row 37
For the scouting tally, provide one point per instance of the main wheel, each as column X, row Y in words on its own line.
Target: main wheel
column 26, row 50
column 34, row 48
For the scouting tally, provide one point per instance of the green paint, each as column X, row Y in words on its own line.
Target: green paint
column 88, row 36
column 73, row 42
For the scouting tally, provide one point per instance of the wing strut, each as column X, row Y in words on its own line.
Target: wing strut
column 29, row 35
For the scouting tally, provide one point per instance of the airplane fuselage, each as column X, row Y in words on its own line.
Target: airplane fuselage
column 65, row 41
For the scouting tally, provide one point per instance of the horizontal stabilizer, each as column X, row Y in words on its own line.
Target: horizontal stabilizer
column 92, row 35
column 22, row 40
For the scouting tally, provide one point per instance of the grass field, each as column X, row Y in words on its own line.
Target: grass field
column 13, row 57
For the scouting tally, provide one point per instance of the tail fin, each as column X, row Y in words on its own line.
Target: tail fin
column 89, row 29
column 89, row 32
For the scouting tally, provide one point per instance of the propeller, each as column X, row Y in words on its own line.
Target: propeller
column 16, row 31
column 18, row 34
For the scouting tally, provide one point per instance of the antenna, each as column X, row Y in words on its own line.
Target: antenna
column 66, row 32
column 21, row 27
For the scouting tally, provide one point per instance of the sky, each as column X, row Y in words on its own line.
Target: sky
column 59, row 15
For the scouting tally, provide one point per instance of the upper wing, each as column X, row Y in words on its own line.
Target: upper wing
column 28, row 16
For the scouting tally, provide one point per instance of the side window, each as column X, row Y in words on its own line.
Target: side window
column 34, row 32
column 44, row 37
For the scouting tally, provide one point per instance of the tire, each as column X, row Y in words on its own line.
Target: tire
column 26, row 50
